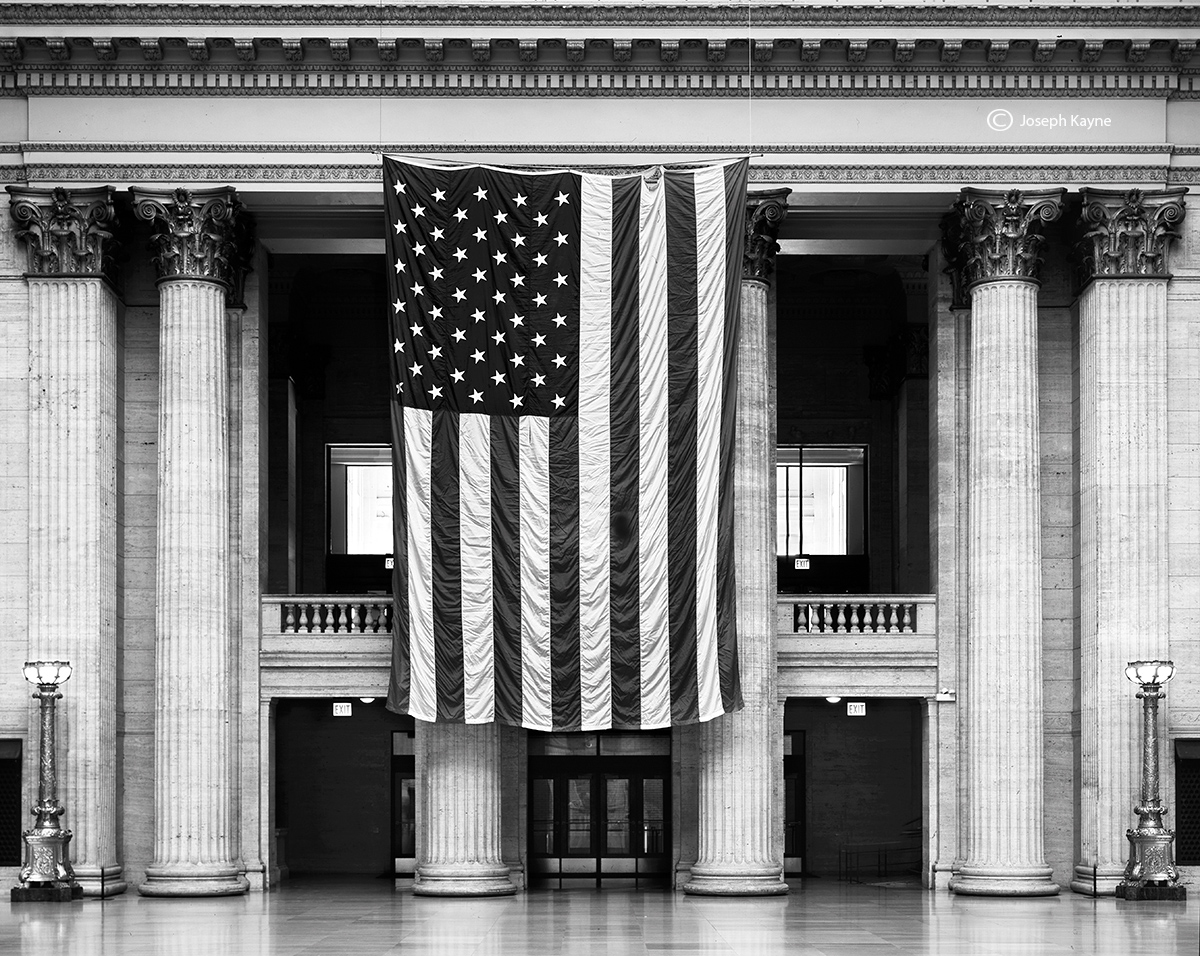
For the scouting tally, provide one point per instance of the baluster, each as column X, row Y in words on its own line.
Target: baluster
column 340, row 617
column 859, row 613
column 376, row 617
column 357, row 618
column 910, row 617
column 888, row 617
column 796, row 617
column 871, row 617
column 323, row 616
column 287, row 616
column 306, row 617
column 823, row 617
column 841, row 618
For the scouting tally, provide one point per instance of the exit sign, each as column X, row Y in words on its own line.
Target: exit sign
column 802, row 564
column 341, row 708
column 856, row 708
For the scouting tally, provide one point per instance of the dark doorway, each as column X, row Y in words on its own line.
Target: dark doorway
column 599, row 809
column 341, row 785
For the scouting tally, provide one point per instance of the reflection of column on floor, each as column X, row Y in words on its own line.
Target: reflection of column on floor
column 741, row 753
column 1123, row 504
column 993, row 242
column 459, row 825
column 73, row 314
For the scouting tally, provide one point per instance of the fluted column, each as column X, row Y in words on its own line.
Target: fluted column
column 741, row 754
column 73, row 500
column 459, row 853
column 992, row 241
column 1123, row 503
column 198, row 256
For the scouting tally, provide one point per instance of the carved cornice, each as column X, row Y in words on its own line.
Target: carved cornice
column 1127, row 232
column 845, row 173
column 66, row 232
column 724, row 14
column 765, row 212
column 990, row 235
column 199, row 234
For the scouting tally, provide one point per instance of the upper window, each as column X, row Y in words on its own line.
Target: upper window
column 820, row 499
column 360, row 499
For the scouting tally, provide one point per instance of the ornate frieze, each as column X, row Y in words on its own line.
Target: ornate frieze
column 990, row 235
column 66, row 232
column 200, row 234
column 765, row 212
column 1127, row 232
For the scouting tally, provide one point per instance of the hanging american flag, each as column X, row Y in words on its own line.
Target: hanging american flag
column 563, row 353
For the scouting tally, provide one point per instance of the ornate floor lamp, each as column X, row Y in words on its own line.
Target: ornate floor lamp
column 1151, row 873
column 47, row 875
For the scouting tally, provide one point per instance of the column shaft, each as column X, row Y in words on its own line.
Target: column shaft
column 741, row 753
column 73, row 549
column 193, row 798
column 460, row 851
column 1123, row 564
column 1004, row 673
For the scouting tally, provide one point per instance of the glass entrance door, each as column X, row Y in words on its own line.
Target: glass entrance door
column 599, row 809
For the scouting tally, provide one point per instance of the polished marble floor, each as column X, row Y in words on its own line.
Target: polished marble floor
column 819, row 918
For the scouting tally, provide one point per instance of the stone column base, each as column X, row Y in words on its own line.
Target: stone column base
column 101, row 881
column 1131, row 892
column 463, row 880
column 193, row 879
column 1004, row 881
column 1104, row 883
column 48, row 893
column 736, row 881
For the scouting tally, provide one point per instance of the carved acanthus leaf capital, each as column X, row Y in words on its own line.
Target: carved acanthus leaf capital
column 1127, row 232
column 990, row 235
column 66, row 232
column 198, row 234
column 765, row 212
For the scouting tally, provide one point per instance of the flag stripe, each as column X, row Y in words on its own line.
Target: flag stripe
column 401, row 677
column 535, row 572
column 626, row 464
column 444, row 551
column 506, row 566
column 652, row 478
column 475, row 534
column 418, row 426
column 595, row 479
column 735, row 214
column 710, row 272
column 564, row 571
column 681, row 439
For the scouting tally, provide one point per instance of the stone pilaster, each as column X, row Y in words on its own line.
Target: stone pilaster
column 741, row 754
column 1123, row 503
column 993, row 243
column 198, row 259
column 73, row 315
column 459, row 851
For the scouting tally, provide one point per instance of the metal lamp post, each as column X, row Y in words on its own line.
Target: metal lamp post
column 1151, row 873
column 47, row 873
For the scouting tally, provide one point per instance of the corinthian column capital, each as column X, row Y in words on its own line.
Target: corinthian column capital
column 66, row 232
column 991, row 235
column 1127, row 232
column 198, row 234
column 765, row 211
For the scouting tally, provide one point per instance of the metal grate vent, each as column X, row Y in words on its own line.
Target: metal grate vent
column 1187, row 812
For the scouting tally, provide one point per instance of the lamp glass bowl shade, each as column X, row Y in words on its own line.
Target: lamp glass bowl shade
column 1150, row 672
column 47, row 672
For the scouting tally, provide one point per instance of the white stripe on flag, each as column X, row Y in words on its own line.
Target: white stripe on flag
column 534, row 459
column 475, row 548
column 710, row 274
column 418, row 439
column 654, row 611
column 595, row 328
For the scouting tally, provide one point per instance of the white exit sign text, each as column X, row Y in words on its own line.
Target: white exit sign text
column 341, row 708
column 856, row 708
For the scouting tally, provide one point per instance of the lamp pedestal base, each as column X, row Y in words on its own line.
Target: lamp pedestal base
column 47, row 876
column 47, row 893
column 1172, row 892
column 1151, row 873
